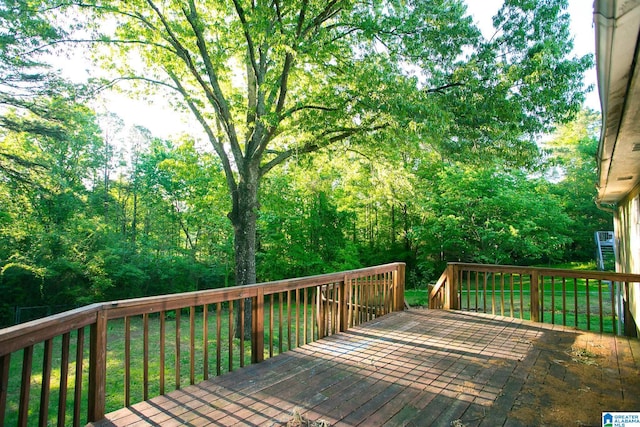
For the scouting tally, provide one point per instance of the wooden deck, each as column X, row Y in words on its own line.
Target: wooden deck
column 419, row 368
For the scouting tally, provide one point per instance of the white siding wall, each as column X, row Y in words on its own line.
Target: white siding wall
column 627, row 230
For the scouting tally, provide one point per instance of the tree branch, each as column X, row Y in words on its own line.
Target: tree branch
column 217, row 146
column 217, row 96
column 250, row 47
column 340, row 134
column 441, row 89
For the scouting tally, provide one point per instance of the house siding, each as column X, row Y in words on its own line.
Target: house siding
column 627, row 232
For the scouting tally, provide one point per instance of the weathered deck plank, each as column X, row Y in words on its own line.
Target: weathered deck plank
column 419, row 367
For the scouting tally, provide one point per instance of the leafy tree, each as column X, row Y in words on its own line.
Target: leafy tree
column 301, row 231
column 269, row 81
column 573, row 149
column 488, row 215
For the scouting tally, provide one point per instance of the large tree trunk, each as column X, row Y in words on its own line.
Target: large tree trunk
column 243, row 217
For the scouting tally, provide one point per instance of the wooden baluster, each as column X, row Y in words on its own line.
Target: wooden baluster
column 127, row 361
column 614, row 324
column 230, row 336
column 205, row 342
column 77, row 391
column 145, row 356
column 325, row 311
column 468, row 290
column 271, row 326
column 242, row 320
column 575, row 301
column 341, row 308
column 357, row 302
column 64, row 379
column 600, row 306
column 297, row 340
column 367, row 302
column 564, row 301
column 511, row 302
column 541, row 297
column 319, row 312
column 493, row 293
column 192, row 345
column 288, row 320
column 45, row 385
column 553, row 300
column 502, row 294
column 314, row 291
column 163, row 332
column 257, row 327
column 477, row 274
column 388, row 307
column 178, row 351
column 484, row 293
column 5, row 362
column 280, row 329
column 588, row 306
column 218, row 338
column 305, row 322
column 521, row 296
column 25, row 386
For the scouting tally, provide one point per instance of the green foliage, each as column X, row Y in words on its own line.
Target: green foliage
column 424, row 134
column 573, row 151
column 301, row 232
column 489, row 215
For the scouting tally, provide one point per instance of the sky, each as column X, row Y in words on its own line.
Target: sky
column 164, row 123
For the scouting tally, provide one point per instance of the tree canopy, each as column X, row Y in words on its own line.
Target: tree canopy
column 409, row 90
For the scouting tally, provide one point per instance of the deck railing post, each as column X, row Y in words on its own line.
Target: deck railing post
column 97, row 367
column 320, row 313
column 343, row 304
column 257, row 327
column 398, row 286
column 450, row 291
column 534, row 287
column 455, row 272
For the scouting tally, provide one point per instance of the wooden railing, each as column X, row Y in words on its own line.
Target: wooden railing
column 77, row 365
column 588, row 300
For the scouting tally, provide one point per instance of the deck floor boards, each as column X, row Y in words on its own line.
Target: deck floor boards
column 418, row 368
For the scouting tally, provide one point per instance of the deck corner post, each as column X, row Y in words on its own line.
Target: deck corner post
column 535, row 296
column 257, row 327
column 97, row 367
column 451, row 291
column 399, row 283
column 455, row 299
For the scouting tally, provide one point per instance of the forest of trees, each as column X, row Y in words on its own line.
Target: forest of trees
column 335, row 154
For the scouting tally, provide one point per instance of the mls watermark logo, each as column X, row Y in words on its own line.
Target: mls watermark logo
column 621, row 419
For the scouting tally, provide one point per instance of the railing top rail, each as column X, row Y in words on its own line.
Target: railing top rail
column 558, row 272
column 25, row 334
